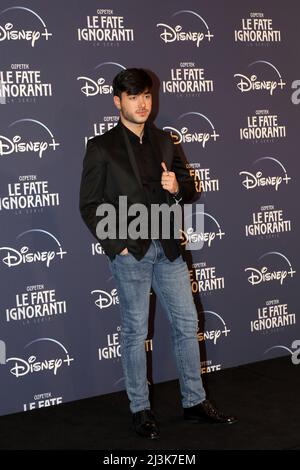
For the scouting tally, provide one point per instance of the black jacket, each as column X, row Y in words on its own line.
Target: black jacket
column 110, row 170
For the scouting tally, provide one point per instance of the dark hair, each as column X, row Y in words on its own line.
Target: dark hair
column 133, row 81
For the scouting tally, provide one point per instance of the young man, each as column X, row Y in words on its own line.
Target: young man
column 137, row 160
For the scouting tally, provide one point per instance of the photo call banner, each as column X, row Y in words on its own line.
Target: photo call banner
column 228, row 92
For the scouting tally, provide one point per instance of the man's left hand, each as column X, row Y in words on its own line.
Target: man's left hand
column 168, row 180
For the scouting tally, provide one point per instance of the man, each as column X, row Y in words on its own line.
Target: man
column 136, row 160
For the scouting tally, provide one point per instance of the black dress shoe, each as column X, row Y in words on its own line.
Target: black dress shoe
column 145, row 425
column 206, row 411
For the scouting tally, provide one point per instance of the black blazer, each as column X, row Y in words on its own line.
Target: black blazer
column 110, row 170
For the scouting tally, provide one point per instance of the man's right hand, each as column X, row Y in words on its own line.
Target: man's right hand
column 124, row 252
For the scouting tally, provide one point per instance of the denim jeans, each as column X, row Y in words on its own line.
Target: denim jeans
column 171, row 283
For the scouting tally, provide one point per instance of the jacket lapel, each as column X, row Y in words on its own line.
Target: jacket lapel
column 160, row 152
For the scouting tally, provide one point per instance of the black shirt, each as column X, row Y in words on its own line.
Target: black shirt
column 149, row 168
column 150, row 172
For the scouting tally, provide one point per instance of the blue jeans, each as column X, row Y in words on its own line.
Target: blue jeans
column 171, row 283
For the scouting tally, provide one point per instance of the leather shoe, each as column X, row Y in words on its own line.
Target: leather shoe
column 145, row 425
column 206, row 411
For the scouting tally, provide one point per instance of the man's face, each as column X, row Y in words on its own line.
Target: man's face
column 134, row 108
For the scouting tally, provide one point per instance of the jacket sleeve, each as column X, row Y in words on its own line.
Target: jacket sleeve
column 186, row 184
column 92, row 186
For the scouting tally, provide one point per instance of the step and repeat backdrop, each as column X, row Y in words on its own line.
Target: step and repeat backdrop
column 228, row 90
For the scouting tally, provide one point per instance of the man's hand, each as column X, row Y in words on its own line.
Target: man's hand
column 168, row 180
column 124, row 252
